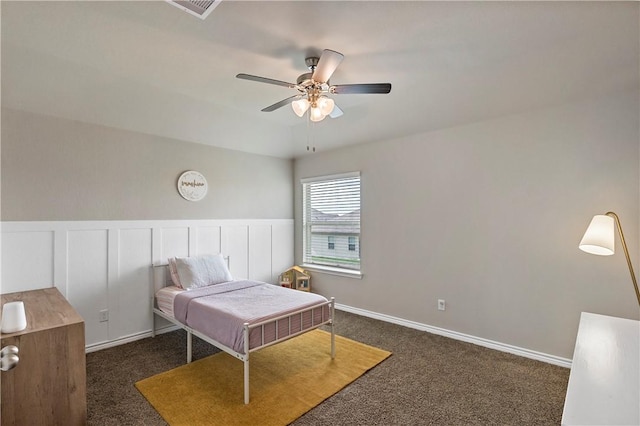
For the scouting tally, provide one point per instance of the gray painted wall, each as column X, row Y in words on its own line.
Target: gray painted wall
column 488, row 216
column 56, row 169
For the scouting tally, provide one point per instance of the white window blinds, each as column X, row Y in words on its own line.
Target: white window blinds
column 331, row 213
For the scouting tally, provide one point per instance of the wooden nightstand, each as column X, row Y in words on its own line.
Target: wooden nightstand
column 48, row 386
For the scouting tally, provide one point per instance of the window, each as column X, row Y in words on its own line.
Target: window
column 352, row 243
column 331, row 221
column 331, row 242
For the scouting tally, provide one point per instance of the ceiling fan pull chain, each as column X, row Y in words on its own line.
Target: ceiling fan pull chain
column 311, row 146
column 308, row 128
column 313, row 134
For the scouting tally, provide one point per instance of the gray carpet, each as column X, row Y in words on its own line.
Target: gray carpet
column 428, row 380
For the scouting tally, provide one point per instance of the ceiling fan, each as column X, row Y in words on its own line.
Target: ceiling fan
column 314, row 86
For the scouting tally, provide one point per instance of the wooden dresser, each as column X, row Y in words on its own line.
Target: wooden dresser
column 48, row 386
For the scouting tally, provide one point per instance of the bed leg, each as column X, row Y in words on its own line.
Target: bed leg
column 153, row 320
column 333, row 332
column 246, row 381
column 246, row 362
column 189, row 346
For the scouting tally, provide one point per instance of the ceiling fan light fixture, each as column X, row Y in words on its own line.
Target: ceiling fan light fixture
column 314, row 85
column 300, row 106
column 326, row 105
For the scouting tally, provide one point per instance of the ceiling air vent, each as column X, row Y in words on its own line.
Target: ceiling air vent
column 199, row 8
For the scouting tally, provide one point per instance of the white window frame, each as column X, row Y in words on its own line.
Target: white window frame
column 306, row 230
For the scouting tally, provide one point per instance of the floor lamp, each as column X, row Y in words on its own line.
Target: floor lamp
column 599, row 239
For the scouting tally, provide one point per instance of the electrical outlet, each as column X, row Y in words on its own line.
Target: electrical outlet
column 104, row 315
column 441, row 305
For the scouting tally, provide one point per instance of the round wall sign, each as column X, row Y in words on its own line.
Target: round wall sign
column 192, row 185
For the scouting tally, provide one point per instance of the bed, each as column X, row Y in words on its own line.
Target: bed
column 239, row 317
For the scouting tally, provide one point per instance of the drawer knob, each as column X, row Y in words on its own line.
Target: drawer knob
column 8, row 357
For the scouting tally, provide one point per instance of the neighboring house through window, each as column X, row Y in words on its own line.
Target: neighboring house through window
column 331, row 221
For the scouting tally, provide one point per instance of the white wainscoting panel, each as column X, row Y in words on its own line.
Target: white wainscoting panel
column 282, row 243
column 208, row 239
column 131, row 307
column 106, row 265
column 235, row 244
column 87, row 282
column 260, row 253
column 175, row 242
column 19, row 271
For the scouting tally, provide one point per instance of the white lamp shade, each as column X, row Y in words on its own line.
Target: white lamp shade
column 13, row 317
column 300, row 106
column 326, row 105
column 316, row 114
column 599, row 237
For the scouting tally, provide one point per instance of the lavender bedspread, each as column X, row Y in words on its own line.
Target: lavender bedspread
column 220, row 311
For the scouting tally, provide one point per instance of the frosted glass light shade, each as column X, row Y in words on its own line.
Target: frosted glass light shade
column 326, row 105
column 599, row 237
column 13, row 317
column 300, row 106
column 316, row 114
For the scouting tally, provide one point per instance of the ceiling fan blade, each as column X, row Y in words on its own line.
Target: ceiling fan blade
column 281, row 103
column 265, row 80
column 329, row 61
column 337, row 112
column 347, row 89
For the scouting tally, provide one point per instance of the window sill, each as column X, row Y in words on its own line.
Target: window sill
column 349, row 273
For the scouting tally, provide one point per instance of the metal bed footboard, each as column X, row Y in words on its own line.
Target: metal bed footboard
column 248, row 327
column 244, row 357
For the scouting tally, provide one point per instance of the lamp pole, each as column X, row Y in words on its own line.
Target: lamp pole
column 626, row 253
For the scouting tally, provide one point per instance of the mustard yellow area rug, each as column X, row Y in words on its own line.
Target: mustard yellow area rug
column 286, row 381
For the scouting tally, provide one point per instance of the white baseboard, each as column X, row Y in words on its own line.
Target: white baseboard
column 503, row 347
column 128, row 339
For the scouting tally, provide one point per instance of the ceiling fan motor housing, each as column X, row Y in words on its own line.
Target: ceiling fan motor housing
column 305, row 79
column 312, row 63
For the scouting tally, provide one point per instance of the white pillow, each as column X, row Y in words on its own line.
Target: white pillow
column 202, row 271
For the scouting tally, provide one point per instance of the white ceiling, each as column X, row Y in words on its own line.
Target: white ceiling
column 150, row 67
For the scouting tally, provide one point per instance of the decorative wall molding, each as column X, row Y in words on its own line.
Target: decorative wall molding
column 106, row 265
column 503, row 347
column 101, row 265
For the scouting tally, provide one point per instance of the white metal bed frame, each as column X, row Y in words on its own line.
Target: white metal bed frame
column 244, row 357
